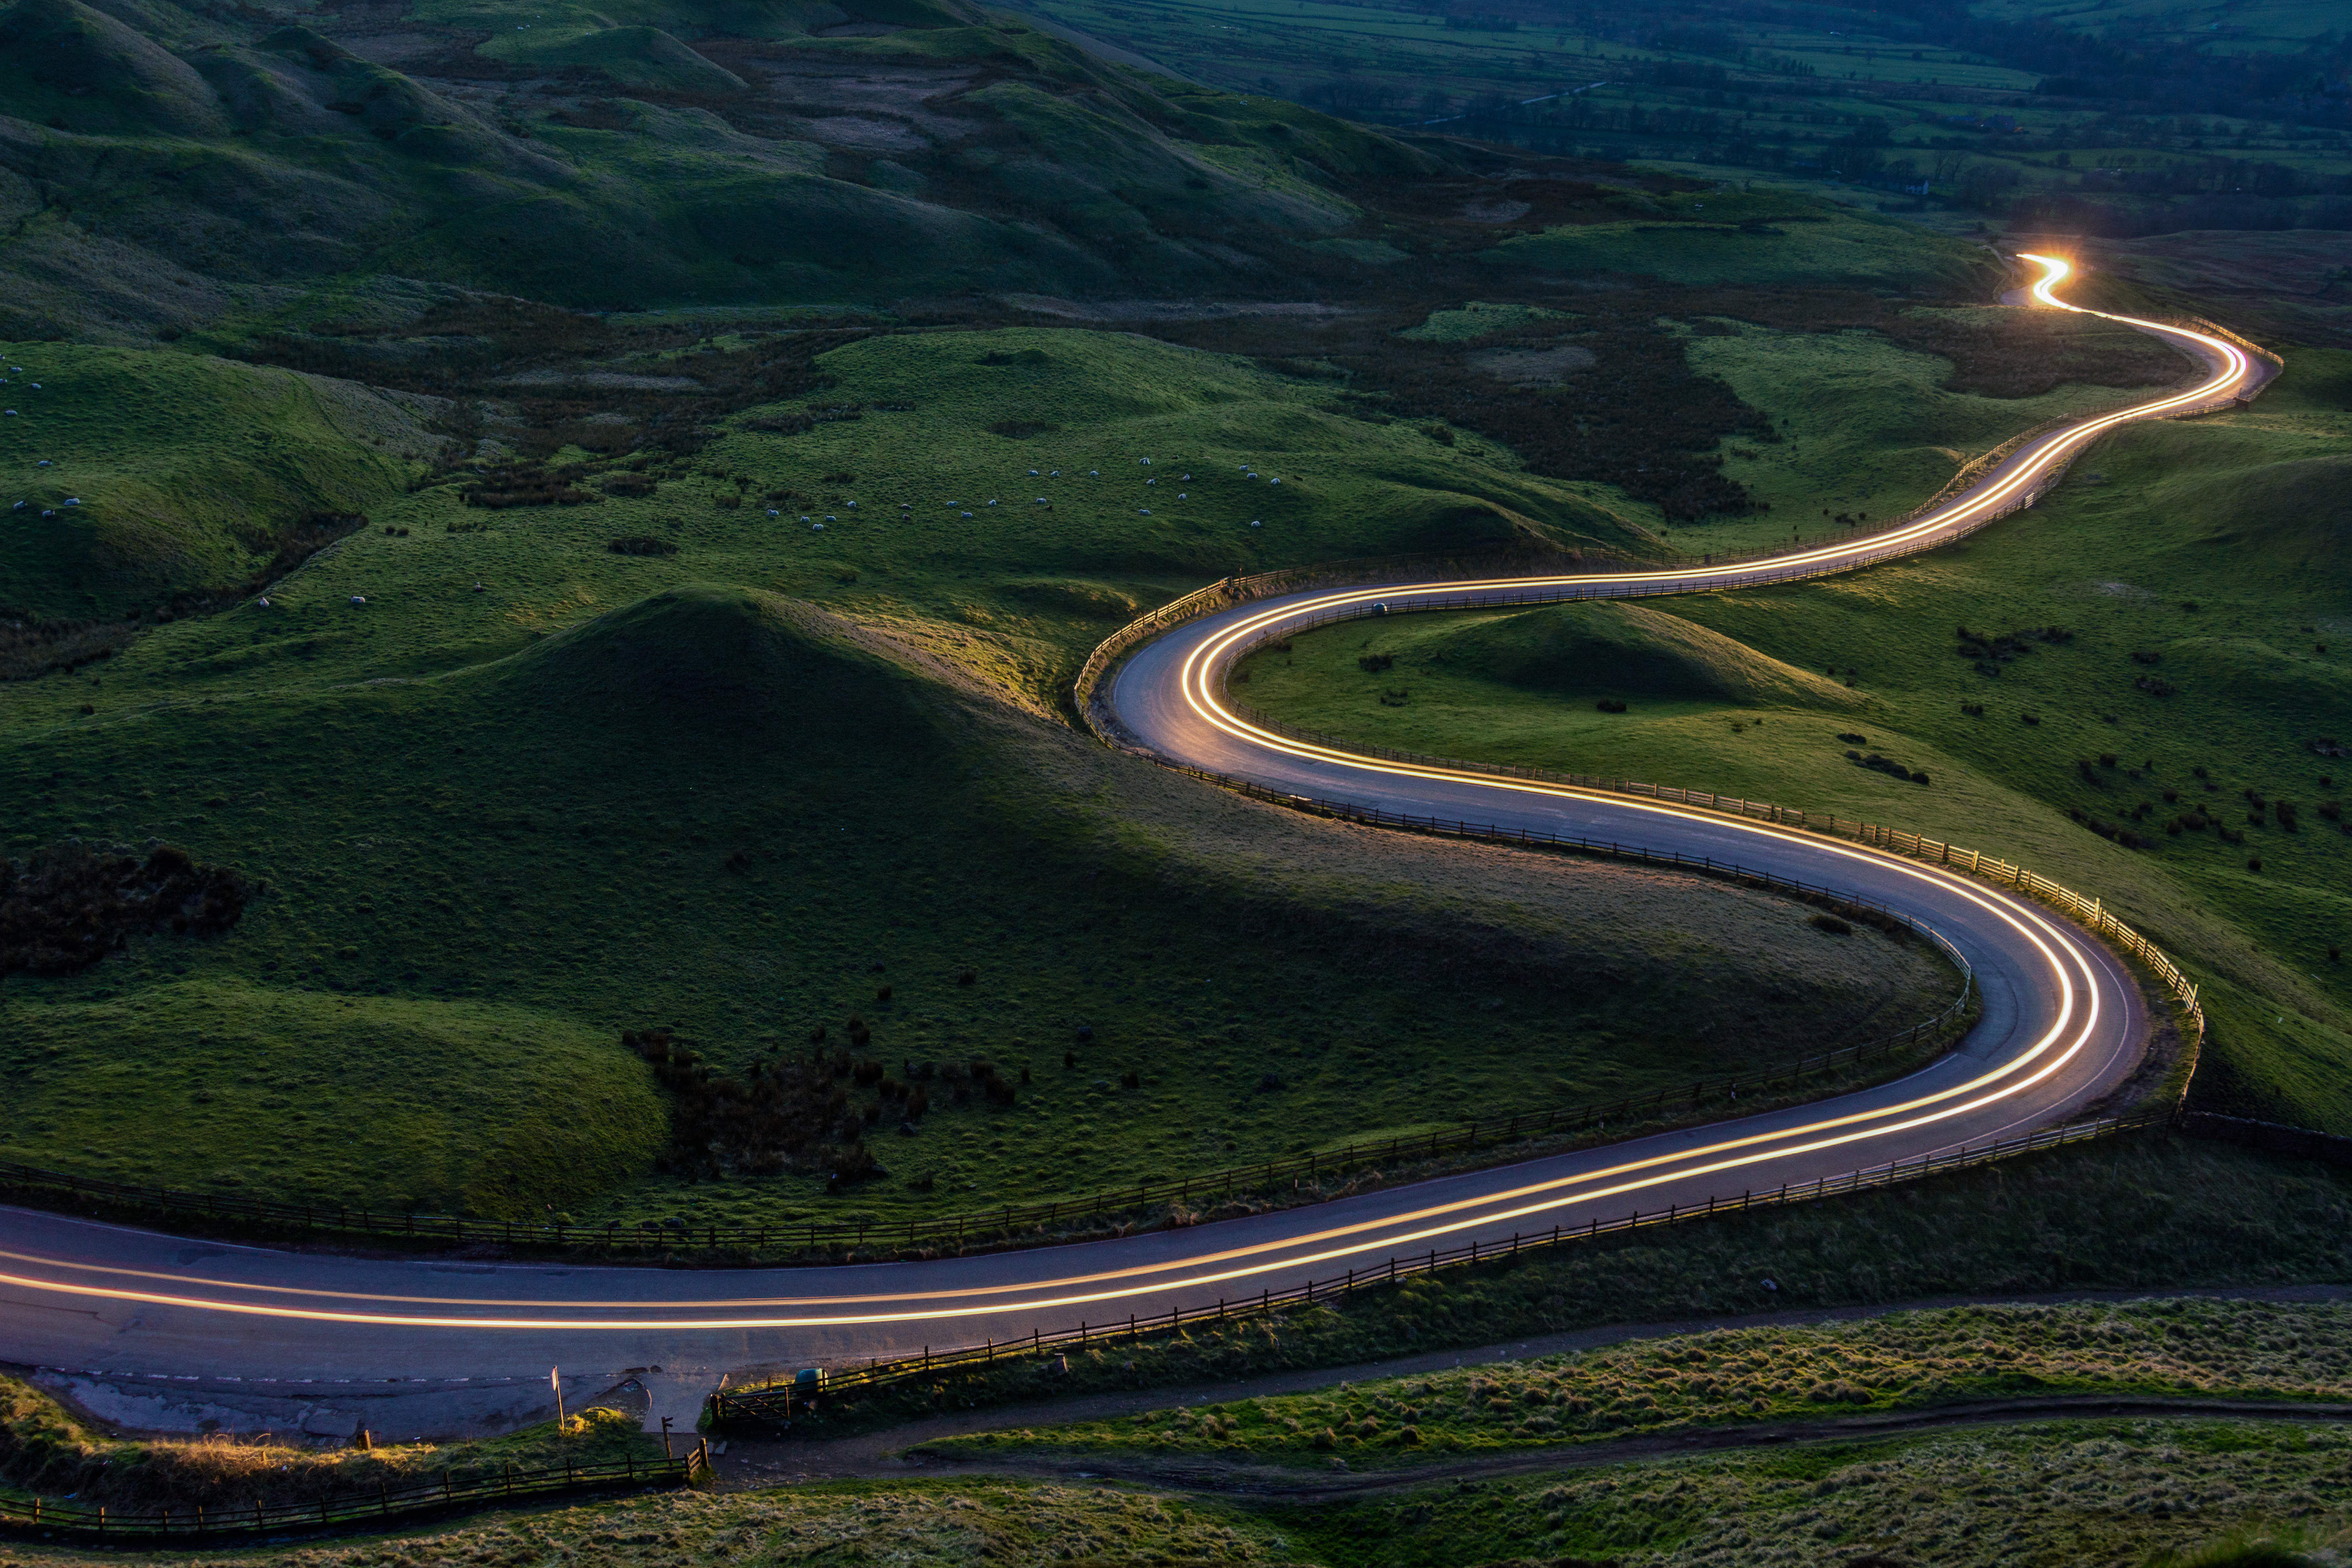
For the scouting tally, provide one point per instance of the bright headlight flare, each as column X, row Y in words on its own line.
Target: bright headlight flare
column 2064, row 953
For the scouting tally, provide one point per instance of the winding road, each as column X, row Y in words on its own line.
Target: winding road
column 161, row 1332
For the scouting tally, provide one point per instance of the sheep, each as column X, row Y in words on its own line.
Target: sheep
column 1255, row 523
column 1179, row 494
column 358, row 598
column 817, row 528
column 1033, row 473
column 44, row 462
column 264, row 602
column 1144, row 511
column 773, row 512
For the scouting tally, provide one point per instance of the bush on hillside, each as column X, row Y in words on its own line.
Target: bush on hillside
column 67, row 906
column 781, row 1115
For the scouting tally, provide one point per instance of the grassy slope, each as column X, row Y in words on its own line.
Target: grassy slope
column 46, row 1450
column 235, row 170
column 2115, row 1491
column 1850, row 248
column 1909, row 1361
column 2237, row 512
column 500, row 864
column 1870, row 429
column 192, row 473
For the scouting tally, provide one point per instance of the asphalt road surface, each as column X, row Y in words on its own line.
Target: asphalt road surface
column 158, row 1333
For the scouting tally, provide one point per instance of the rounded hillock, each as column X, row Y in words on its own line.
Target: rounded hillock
column 1624, row 648
column 84, row 70
column 644, row 57
column 709, row 661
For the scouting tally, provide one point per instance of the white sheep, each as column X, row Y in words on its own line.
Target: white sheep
column 358, row 598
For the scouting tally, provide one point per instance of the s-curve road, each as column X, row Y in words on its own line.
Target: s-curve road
column 158, row 1331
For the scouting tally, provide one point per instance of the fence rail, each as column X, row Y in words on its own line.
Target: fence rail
column 771, row 1404
column 387, row 1504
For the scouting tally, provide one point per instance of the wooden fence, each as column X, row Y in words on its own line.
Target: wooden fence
column 771, row 1404
column 388, row 1504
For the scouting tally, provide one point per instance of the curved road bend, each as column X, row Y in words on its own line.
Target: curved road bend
column 161, row 1332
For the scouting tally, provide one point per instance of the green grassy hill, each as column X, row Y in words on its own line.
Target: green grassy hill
column 134, row 481
column 221, row 169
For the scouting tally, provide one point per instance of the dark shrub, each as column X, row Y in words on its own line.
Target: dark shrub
column 1831, row 925
column 641, row 544
column 67, row 906
column 1372, row 663
column 881, row 994
column 1609, row 705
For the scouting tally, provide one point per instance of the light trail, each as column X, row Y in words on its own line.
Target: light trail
column 2067, row 960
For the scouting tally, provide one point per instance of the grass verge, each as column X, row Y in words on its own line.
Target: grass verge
column 2111, row 1491
column 1909, row 1361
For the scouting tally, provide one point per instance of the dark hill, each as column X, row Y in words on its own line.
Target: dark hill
column 702, row 152
column 707, row 663
column 74, row 69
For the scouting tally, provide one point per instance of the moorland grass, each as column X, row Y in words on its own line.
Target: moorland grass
column 131, row 478
column 2118, row 1490
column 1870, row 429
column 1819, row 246
column 1908, row 1361
column 2236, row 515
column 46, row 1450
